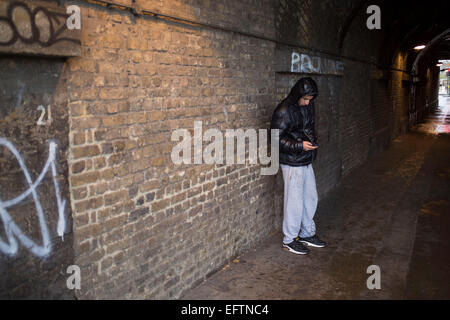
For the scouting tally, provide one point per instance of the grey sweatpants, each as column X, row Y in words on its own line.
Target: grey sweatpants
column 300, row 202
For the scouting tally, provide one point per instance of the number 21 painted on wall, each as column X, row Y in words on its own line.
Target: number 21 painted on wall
column 41, row 121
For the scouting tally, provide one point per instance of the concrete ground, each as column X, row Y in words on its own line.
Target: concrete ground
column 393, row 212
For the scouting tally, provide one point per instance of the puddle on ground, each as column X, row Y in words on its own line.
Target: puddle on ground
column 438, row 122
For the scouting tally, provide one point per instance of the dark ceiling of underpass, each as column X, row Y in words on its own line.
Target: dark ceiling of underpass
column 407, row 24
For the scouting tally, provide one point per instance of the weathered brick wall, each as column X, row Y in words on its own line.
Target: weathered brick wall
column 248, row 16
column 381, row 115
column 426, row 88
column 358, row 112
column 145, row 227
column 399, row 92
column 34, row 255
column 313, row 24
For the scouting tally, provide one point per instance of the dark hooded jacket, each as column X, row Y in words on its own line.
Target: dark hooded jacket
column 296, row 124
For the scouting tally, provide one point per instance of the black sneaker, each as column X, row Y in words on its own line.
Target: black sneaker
column 313, row 241
column 296, row 247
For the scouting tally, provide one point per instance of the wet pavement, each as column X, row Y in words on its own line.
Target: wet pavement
column 393, row 212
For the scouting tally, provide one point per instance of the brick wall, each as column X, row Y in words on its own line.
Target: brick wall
column 426, row 92
column 34, row 255
column 145, row 227
column 399, row 92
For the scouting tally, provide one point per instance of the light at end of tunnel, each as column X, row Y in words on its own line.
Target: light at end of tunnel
column 419, row 47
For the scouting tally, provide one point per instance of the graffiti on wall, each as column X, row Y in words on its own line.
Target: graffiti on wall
column 12, row 230
column 36, row 27
column 303, row 63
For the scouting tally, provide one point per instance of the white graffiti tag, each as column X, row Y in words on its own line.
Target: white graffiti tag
column 303, row 63
column 11, row 229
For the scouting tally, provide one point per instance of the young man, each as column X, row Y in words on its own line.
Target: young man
column 294, row 118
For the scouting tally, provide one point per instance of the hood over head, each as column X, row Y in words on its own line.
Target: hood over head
column 303, row 87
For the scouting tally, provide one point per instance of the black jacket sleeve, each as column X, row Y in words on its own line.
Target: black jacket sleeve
column 313, row 123
column 280, row 121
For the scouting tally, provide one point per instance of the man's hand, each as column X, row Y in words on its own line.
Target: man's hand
column 308, row 146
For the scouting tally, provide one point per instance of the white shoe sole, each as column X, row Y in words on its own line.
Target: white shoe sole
column 292, row 250
column 311, row 244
